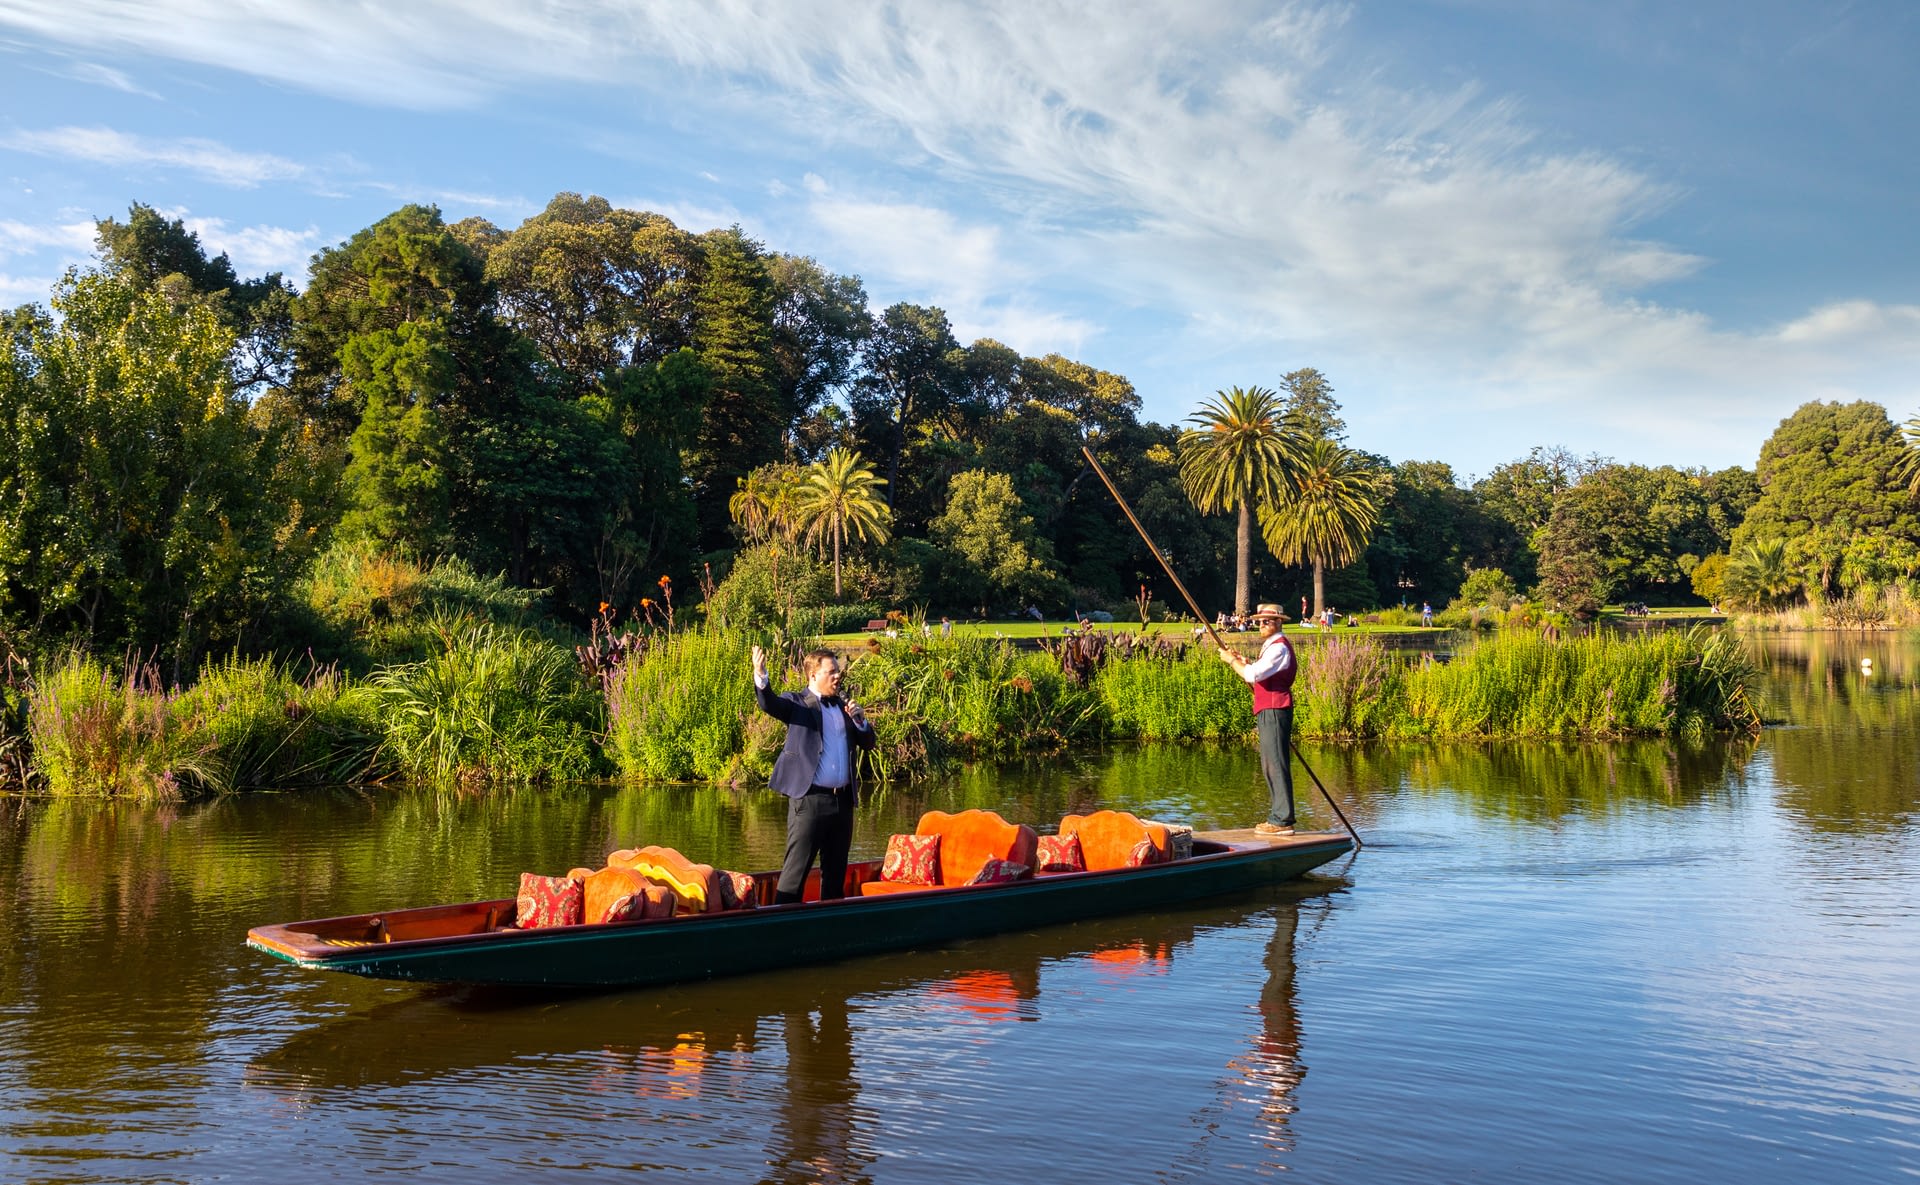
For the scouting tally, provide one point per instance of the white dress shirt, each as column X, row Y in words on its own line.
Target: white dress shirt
column 1275, row 656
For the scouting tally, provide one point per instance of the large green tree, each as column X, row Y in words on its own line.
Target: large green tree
column 1326, row 510
column 910, row 372
column 1238, row 458
column 141, row 505
column 993, row 555
column 1829, row 475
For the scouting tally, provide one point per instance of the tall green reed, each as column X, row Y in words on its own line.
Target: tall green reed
column 495, row 705
column 97, row 733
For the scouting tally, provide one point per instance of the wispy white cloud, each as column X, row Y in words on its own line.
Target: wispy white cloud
column 19, row 238
column 928, row 255
column 96, row 74
column 1241, row 170
column 207, row 158
column 19, row 290
column 256, row 250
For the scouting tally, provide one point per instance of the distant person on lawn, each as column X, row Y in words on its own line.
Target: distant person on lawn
column 1271, row 674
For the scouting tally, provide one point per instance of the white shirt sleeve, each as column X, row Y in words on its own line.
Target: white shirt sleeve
column 760, row 682
column 1275, row 656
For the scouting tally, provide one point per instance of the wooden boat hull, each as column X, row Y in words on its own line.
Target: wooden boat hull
column 633, row 954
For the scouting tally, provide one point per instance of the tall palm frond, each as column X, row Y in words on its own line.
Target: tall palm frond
column 1909, row 464
column 1760, row 576
column 840, row 494
column 1236, row 457
column 762, row 504
column 1326, row 511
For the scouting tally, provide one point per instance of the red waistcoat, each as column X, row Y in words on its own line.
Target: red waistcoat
column 1276, row 690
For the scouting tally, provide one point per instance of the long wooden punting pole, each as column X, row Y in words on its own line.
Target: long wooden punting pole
column 1202, row 619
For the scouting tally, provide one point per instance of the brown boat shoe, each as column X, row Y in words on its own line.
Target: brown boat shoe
column 1271, row 829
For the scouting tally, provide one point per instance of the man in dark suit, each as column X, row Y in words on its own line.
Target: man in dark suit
column 818, row 771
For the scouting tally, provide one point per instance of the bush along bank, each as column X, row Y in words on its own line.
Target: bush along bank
column 499, row 705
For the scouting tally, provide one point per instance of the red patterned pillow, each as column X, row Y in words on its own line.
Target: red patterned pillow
column 1061, row 853
column 737, row 891
column 912, row 860
column 1143, row 854
column 548, row 901
column 999, row 872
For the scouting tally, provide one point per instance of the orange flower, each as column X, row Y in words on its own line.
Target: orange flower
column 604, row 606
column 646, row 602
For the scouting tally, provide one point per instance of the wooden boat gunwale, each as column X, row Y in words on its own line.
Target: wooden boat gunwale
column 304, row 943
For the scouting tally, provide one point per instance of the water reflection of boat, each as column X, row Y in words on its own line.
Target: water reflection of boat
column 672, row 1043
column 465, row 944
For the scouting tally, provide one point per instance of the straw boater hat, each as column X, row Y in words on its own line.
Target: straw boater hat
column 1269, row 610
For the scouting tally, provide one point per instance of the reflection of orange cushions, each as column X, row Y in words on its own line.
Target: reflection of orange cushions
column 547, row 901
column 1108, row 838
column 999, row 872
column 1060, row 853
column 912, row 860
column 971, row 838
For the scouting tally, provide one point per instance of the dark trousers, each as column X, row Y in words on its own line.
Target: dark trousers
column 819, row 822
column 1276, row 761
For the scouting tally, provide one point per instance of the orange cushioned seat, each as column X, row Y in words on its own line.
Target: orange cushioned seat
column 700, row 887
column 1108, row 838
column 967, row 841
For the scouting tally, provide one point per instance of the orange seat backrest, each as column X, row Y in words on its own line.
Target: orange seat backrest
column 608, row 886
column 971, row 838
column 1107, row 838
column 695, row 884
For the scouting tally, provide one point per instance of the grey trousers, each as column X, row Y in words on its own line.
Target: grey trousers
column 1276, row 762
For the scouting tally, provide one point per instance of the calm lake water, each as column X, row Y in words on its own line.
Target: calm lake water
column 1552, row 963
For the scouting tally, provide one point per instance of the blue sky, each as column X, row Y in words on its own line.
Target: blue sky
column 1648, row 231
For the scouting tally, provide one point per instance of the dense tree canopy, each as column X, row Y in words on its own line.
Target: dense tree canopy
column 597, row 396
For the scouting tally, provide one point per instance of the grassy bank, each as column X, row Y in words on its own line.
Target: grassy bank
column 499, row 705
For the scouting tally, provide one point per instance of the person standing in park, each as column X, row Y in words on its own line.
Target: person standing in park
column 1271, row 674
column 818, row 770
column 1426, row 613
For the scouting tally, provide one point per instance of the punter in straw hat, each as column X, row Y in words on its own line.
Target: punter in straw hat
column 1271, row 673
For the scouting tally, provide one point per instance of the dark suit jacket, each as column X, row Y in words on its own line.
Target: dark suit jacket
column 793, row 770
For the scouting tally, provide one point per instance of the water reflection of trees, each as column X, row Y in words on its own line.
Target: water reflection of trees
column 1844, row 758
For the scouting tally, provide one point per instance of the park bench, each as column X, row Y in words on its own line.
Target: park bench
column 876, row 625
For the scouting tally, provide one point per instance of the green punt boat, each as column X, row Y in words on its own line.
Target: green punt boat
column 469, row 943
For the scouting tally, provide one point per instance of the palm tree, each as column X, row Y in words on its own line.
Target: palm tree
column 1909, row 464
column 1325, row 513
column 763, row 502
column 840, row 494
column 1236, row 457
column 1759, row 575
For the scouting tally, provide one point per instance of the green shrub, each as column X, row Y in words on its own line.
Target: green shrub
column 1523, row 684
column 365, row 608
column 934, row 698
column 1194, row 697
column 684, row 709
column 95, row 733
column 1350, row 687
column 496, row 704
column 270, row 729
